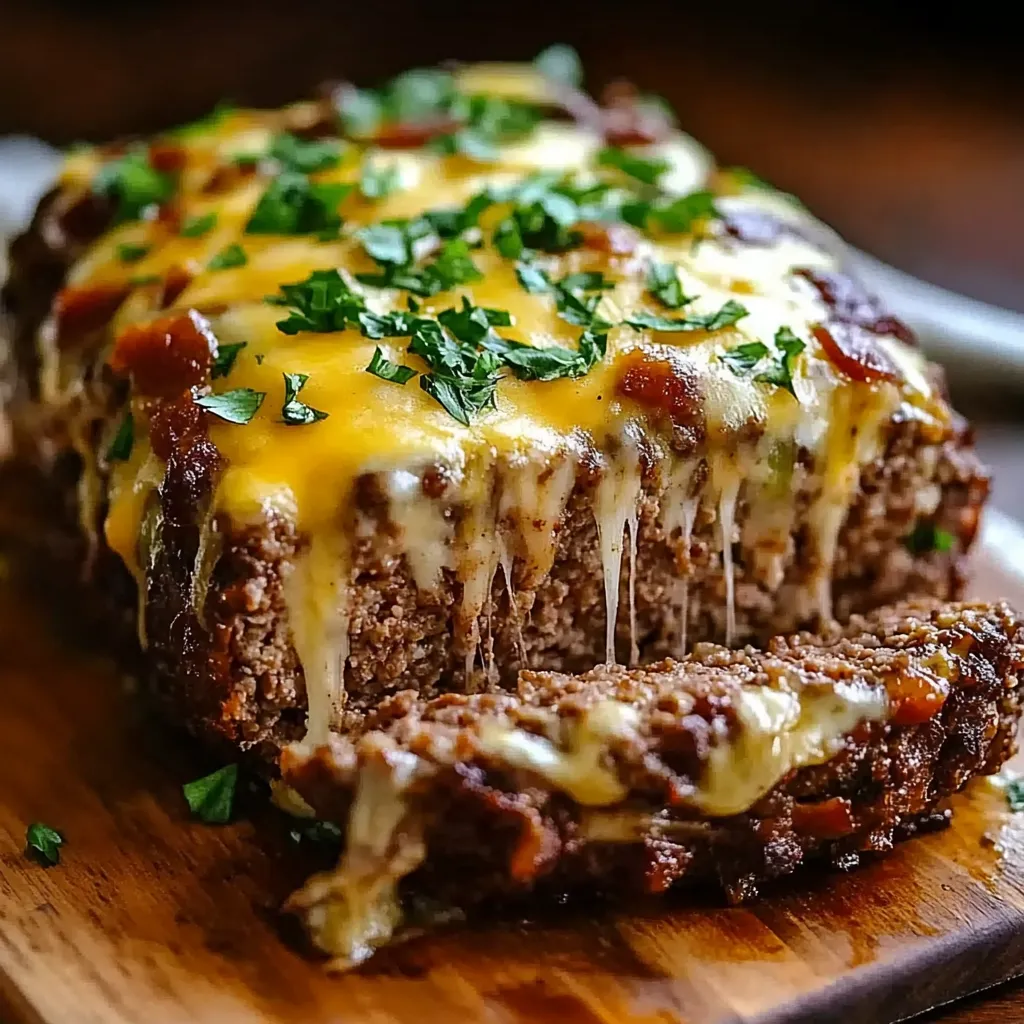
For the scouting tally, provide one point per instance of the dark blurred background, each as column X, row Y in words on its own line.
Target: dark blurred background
column 902, row 124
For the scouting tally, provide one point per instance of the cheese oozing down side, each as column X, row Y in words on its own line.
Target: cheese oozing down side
column 511, row 465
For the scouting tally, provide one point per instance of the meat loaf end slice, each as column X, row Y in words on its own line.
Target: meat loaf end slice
column 730, row 765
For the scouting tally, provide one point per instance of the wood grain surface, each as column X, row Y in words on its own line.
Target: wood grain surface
column 153, row 918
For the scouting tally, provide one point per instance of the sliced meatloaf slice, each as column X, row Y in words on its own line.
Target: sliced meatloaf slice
column 592, row 399
column 734, row 766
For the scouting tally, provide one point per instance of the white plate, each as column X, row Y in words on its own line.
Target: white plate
column 997, row 564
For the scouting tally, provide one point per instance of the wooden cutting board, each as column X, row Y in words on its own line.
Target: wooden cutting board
column 153, row 918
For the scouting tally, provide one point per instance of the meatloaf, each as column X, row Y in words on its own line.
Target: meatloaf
column 729, row 766
column 423, row 386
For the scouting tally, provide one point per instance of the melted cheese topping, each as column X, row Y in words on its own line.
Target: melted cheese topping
column 354, row 909
column 307, row 473
column 582, row 770
column 778, row 731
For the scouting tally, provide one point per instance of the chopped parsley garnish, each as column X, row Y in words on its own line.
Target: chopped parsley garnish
column 133, row 184
column 488, row 122
column 673, row 216
column 543, row 218
column 232, row 256
column 574, row 305
column 195, row 227
column 141, row 279
column 238, row 406
column 553, row 362
column 561, row 64
column 378, row 182
column 463, row 390
column 743, row 358
column 398, row 323
column 779, row 372
column 479, row 123
column 322, row 303
column 729, row 314
column 131, row 252
column 465, row 356
column 120, row 449
column 414, row 97
column 224, row 361
column 664, row 284
column 306, row 156
column 532, row 278
column 643, row 169
column 381, row 366
column 927, row 537
column 294, row 205
column 43, row 843
column 472, row 324
column 211, row 798
column 395, row 241
column 294, row 412
column 1015, row 794
column 392, row 246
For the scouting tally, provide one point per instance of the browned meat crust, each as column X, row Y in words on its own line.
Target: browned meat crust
column 482, row 815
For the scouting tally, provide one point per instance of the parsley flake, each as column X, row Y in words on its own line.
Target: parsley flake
column 229, row 257
column 1015, row 794
column 131, row 252
column 780, row 370
column 673, row 216
column 644, row 169
column 532, row 278
column 391, row 245
column 544, row 216
column 294, row 205
column 378, row 182
column 212, row 797
column 133, row 184
column 294, row 412
column 472, row 324
column 395, row 324
column 238, row 406
column 488, row 123
column 120, row 449
column 560, row 63
column 927, row 537
column 463, row 379
column 306, row 156
column 381, row 366
column 743, row 358
column 196, row 227
column 664, row 284
column 224, row 361
column 730, row 313
column 43, row 843
column 323, row 303
column 577, row 307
